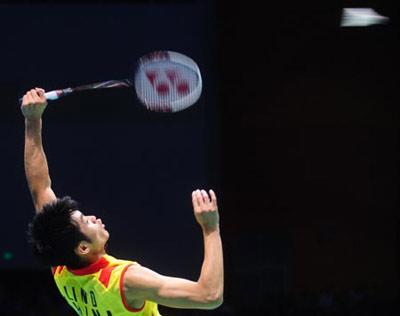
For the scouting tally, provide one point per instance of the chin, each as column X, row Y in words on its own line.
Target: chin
column 106, row 237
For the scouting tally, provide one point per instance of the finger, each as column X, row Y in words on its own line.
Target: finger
column 24, row 100
column 205, row 197
column 31, row 93
column 213, row 198
column 40, row 92
column 36, row 96
column 194, row 199
column 199, row 198
column 29, row 98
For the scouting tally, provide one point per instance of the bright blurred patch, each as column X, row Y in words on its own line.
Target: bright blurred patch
column 361, row 17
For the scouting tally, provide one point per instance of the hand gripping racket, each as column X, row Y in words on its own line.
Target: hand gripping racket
column 164, row 81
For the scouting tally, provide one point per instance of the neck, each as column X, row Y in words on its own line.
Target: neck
column 91, row 267
column 92, row 258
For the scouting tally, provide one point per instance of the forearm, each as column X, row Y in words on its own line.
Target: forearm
column 212, row 271
column 36, row 168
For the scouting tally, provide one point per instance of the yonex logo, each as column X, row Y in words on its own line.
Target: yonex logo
column 168, row 81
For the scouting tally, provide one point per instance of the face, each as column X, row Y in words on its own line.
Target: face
column 94, row 229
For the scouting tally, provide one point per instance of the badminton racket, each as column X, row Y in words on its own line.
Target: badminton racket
column 164, row 81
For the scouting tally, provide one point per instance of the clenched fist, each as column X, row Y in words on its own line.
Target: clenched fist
column 33, row 103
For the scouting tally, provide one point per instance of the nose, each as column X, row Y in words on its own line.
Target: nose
column 97, row 220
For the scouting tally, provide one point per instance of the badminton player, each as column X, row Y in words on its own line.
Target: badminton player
column 73, row 243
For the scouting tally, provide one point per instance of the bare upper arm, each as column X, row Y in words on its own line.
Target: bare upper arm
column 43, row 197
column 141, row 284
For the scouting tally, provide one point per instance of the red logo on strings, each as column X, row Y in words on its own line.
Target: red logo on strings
column 175, row 81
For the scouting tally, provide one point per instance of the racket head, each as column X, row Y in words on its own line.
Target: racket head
column 167, row 81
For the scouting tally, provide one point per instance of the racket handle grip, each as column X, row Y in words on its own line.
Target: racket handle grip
column 55, row 94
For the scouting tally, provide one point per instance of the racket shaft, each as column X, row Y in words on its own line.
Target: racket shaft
column 125, row 83
column 56, row 94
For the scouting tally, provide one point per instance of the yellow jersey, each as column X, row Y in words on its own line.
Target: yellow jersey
column 97, row 290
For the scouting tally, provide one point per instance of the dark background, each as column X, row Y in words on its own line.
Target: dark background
column 296, row 129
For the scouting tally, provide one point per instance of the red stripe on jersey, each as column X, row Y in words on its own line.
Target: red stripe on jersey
column 92, row 268
column 105, row 275
column 57, row 269
column 121, row 288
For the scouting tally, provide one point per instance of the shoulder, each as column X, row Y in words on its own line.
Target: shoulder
column 141, row 280
column 133, row 287
column 133, row 275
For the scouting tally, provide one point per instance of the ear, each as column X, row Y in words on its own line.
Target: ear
column 83, row 248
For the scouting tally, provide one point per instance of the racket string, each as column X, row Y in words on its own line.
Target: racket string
column 161, row 85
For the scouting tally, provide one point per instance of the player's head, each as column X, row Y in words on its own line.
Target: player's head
column 61, row 235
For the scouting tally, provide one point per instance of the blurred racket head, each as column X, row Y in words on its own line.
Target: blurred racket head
column 167, row 81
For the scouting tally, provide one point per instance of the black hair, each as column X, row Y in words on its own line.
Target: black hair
column 54, row 236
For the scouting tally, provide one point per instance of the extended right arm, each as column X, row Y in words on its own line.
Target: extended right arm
column 36, row 168
column 141, row 284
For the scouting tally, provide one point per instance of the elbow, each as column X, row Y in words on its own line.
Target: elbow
column 214, row 300
column 217, row 302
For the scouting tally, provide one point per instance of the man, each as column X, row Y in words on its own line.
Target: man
column 73, row 244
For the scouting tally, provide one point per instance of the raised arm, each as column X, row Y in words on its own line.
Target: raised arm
column 141, row 284
column 36, row 168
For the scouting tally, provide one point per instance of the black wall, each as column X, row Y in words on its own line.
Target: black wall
column 310, row 148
